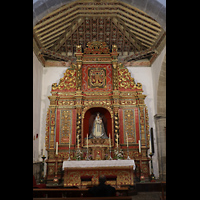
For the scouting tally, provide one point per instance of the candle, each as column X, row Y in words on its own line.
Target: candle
column 150, row 146
column 56, row 148
column 109, row 140
column 43, row 149
column 127, row 139
column 139, row 147
column 69, row 142
column 87, row 141
column 78, row 143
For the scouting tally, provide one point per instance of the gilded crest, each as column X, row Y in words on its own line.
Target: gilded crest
column 97, row 78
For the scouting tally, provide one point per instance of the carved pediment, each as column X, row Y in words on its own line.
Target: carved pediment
column 68, row 82
column 96, row 47
column 96, row 70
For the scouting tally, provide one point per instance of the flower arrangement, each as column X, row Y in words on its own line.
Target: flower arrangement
column 78, row 155
column 119, row 154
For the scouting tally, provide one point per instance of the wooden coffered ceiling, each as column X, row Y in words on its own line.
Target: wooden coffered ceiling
column 136, row 34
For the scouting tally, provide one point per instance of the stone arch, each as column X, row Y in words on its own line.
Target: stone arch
column 153, row 8
column 160, row 121
column 161, row 91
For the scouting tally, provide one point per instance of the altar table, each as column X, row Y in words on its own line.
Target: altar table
column 123, row 169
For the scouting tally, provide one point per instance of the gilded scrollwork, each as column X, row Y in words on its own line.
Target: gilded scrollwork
column 47, row 129
column 139, row 86
column 129, row 124
column 65, row 132
column 128, row 102
column 65, row 102
column 97, row 102
column 96, row 105
column 147, row 125
column 96, row 47
column 67, row 82
column 125, row 79
column 52, row 127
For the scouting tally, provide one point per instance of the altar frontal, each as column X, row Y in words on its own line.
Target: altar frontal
column 121, row 169
column 97, row 114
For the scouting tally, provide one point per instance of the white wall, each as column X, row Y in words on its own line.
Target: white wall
column 143, row 75
column 50, row 75
column 37, row 88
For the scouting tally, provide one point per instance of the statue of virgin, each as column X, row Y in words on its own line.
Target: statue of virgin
column 98, row 130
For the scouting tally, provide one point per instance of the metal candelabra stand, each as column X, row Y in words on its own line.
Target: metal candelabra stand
column 152, row 177
column 42, row 174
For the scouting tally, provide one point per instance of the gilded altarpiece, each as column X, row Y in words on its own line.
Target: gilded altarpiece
column 97, row 83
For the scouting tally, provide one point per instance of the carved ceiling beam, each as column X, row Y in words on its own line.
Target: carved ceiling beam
column 139, row 27
column 127, row 33
column 55, row 16
column 50, row 42
column 67, row 19
column 161, row 41
column 61, row 13
column 140, row 55
column 56, row 55
column 70, row 17
column 141, row 23
column 53, row 33
column 135, row 31
column 131, row 35
column 69, row 31
column 138, row 13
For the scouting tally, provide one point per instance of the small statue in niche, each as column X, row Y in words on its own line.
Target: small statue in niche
column 98, row 130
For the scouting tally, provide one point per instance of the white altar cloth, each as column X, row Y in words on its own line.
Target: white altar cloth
column 98, row 163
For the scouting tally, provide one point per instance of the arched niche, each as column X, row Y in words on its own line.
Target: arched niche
column 89, row 117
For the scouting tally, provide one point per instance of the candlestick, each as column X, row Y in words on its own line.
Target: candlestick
column 150, row 147
column 110, row 147
column 128, row 158
column 42, row 173
column 139, row 146
column 152, row 177
column 43, row 149
column 56, row 148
